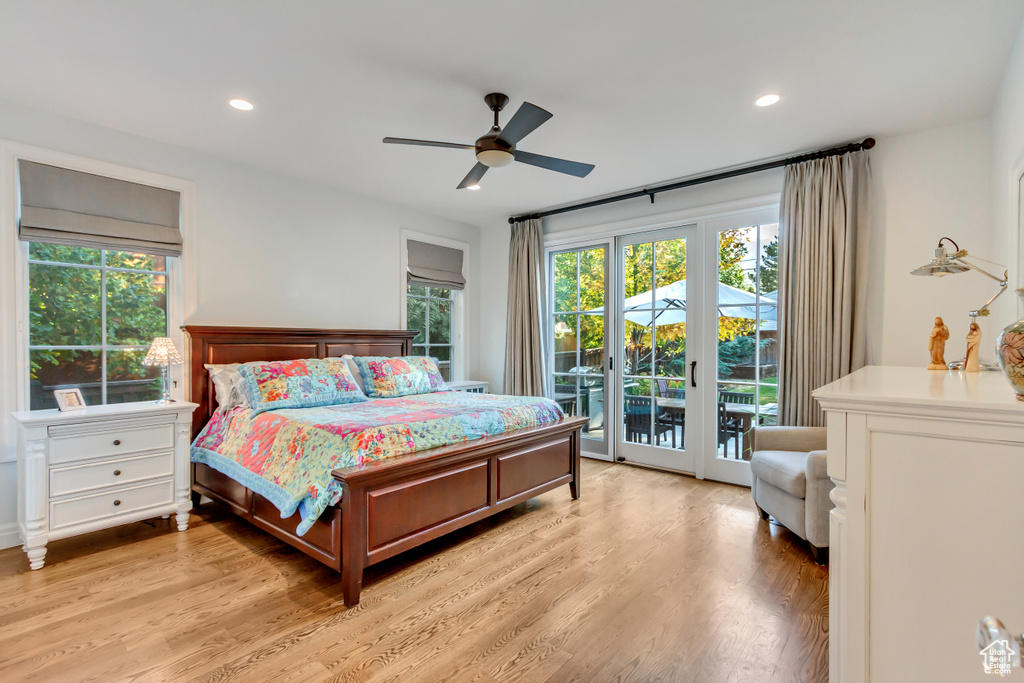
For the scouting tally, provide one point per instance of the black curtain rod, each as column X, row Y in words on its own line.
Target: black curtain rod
column 868, row 143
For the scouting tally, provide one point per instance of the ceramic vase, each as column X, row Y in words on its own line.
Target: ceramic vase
column 1010, row 349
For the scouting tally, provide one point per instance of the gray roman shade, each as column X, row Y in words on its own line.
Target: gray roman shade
column 61, row 206
column 431, row 265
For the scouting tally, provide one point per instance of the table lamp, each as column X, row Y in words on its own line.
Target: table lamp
column 943, row 264
column 163, row 353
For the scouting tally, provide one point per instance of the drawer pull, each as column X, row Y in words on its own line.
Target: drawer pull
column 117, row 502
column 117, row 473
column 117, row 442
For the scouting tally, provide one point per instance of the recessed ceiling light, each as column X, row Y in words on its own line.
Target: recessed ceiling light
column 472, row 187
column 767, row 100
column 238, row 103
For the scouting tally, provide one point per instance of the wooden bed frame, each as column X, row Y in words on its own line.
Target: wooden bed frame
column 391, row 505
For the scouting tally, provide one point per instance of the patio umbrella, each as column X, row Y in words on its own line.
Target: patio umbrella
column 668, row 304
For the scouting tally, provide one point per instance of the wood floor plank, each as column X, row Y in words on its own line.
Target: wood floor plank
column 649, row 577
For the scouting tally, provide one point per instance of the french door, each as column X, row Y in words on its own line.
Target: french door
column 658, row 312
column 666, row 341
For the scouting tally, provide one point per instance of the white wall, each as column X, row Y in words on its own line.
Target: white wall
column 925, row 186
column 272, row 250
column 1007, row 164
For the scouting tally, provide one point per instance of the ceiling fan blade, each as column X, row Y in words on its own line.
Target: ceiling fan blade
column 523, row 122
column 473, row 177
column 426, row 143
column 552, row 164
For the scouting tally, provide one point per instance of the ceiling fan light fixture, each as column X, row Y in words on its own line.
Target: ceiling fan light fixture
column 495, row 158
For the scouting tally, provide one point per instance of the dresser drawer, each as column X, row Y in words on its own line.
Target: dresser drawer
column 120, row 471
column 110, row 504
column 99, row 444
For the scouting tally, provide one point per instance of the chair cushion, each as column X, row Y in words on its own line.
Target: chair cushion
column 781, row 469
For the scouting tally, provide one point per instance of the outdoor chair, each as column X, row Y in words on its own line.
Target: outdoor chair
column 736, row 397
column 638, row 421
column 729, row 428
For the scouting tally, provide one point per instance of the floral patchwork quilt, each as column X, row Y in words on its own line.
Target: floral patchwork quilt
column 287, row 455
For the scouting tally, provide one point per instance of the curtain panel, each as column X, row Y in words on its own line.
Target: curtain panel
column 823, row 237
column 525, row 370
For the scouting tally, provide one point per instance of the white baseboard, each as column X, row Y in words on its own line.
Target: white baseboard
column 9, row 536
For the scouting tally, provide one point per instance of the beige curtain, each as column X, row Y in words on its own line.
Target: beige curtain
column 823, row 237
column 524, row 349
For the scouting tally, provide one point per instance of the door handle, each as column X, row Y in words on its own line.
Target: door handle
column 693, row 374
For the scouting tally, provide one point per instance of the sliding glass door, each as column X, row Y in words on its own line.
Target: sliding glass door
column 578, row 336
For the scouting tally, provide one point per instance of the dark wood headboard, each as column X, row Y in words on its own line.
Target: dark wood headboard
column 246, row 344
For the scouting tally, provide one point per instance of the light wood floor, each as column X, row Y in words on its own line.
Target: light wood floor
column 649, row 577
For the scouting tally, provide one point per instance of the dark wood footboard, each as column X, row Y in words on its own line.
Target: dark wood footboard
column 394, row 505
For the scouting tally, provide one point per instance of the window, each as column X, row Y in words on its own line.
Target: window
column 92, row 315
column 429, row 313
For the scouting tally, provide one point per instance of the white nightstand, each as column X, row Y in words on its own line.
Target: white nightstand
column 469, row 386
column 100, row 467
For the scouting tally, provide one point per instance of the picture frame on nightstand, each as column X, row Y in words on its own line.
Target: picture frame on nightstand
column 69, row 399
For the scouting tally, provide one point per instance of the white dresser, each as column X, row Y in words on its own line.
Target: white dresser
column 927, row 535
column 99, row 467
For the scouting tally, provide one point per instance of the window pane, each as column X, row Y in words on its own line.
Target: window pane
column 592, row 342
column 136, row 308
column 638, row 273
column 440, row 322
column 591, row 279
column 124, row 259
column 565, row 281
column 128, row 380
column 64, row 306
column 670, row 351
column 439, row 293
column 735, row 262
column 671, row 261
column 637, row 354
column 565, row 342
column 416, row 290
column 769, row 262
column 51, row 370
column 416, row 318
column 736, row 352
column 63, row 254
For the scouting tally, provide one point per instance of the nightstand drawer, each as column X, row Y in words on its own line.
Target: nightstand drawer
column 99, row 444
column 111, row 504
column 81, row 478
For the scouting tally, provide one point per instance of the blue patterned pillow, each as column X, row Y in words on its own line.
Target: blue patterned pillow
column 299, row 384
column 385, row 377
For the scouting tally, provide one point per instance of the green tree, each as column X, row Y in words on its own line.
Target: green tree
column 769, row 268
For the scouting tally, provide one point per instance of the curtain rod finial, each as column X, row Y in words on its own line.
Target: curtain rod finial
column 868, row 143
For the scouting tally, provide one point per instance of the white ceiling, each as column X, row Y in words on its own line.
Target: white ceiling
column 647, row 91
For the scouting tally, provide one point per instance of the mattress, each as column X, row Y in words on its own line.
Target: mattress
column 287, row 455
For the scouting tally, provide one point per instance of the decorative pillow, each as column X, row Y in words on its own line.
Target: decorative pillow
column 228, row 385
column 350, row 361
column 299, row 384
column 385, row 377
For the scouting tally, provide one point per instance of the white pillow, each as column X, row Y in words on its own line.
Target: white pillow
column 228, row 385
column 354, row 369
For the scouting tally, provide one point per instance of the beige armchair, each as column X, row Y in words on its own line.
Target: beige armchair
column 790, row 482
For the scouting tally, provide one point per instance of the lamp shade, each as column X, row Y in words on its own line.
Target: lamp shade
column 162, row 352
column 942, row 264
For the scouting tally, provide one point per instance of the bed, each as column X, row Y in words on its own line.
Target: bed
column 391, row 505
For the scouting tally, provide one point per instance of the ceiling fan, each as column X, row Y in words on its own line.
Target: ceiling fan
column 498, row 147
